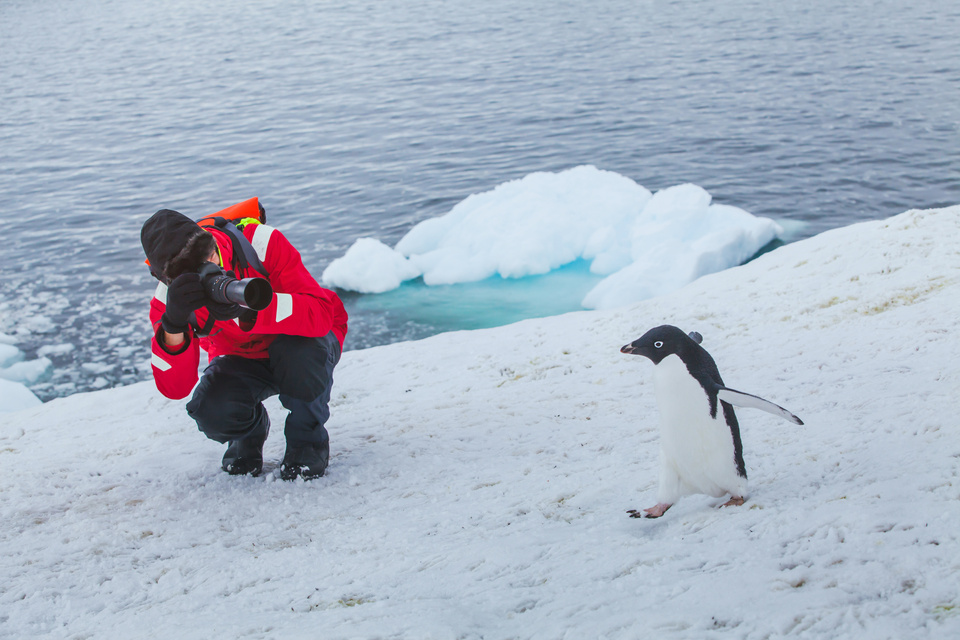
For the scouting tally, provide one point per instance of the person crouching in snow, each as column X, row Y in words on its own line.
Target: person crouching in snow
column 289, row 348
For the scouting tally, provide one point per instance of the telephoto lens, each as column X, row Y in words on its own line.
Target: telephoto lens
column 252, row 293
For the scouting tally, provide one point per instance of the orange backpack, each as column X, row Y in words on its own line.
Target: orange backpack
column 239, row 214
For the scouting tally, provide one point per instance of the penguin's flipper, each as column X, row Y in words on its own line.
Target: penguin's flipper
column 742, row 399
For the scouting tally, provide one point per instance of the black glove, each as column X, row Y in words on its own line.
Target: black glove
column 221, row 311
column 184, row 296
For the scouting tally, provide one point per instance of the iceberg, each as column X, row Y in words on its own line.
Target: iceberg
column 643, row 244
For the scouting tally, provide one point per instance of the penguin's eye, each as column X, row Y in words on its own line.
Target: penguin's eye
column 658, row 344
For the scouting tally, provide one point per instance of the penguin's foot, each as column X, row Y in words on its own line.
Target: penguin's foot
column 652, row 512
column 734, row 501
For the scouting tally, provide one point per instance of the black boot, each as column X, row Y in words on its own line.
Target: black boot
column 246, row 456
column 305, row 460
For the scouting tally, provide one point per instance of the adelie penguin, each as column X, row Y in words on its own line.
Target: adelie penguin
column 700, row 448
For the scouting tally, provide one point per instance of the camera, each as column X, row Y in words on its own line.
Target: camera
column 252, row 293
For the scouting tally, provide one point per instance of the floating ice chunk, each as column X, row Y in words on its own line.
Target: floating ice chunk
column 15, row 374
column 97, row 368
column 644, row 244
column 28, row 371
column 16, row 396
column 369, row 266
column 38, row 324
column 56, row 349
column 9, row 354
column 679, row 237
column 526, row 227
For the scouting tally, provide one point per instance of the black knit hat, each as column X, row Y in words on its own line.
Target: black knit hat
column 165, row 235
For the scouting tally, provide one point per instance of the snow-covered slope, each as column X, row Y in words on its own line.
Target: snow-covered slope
column 479, row 480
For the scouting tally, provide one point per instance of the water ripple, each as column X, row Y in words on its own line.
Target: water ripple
column 352, row 119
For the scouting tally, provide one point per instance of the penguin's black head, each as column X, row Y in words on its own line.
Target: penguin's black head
column 661, row 342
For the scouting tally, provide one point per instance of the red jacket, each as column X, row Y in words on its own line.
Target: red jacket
column 300, row 307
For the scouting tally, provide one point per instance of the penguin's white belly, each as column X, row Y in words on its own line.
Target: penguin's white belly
column 696, row 450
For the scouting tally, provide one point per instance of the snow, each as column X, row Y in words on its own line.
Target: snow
column 645, row 244
column 479, row 480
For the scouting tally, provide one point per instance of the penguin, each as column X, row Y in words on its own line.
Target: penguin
column 700, row 447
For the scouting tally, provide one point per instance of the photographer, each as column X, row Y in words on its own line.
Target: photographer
column 290, row 347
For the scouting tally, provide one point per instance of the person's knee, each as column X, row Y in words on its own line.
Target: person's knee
column 223, row 411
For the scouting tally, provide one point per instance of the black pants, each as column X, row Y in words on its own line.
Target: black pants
column 228, row 402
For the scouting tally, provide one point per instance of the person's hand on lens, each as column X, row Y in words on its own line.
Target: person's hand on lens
column 184, row 296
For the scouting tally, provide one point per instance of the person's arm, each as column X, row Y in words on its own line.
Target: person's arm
column 175, row 354
column 300, row 306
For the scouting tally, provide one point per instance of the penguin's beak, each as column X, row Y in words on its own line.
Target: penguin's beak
column 632, row 350
column 636, row 348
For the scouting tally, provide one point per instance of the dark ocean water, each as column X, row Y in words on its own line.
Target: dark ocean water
column 353, row 119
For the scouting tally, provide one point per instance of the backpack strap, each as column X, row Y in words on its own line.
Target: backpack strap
column 243, row 251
